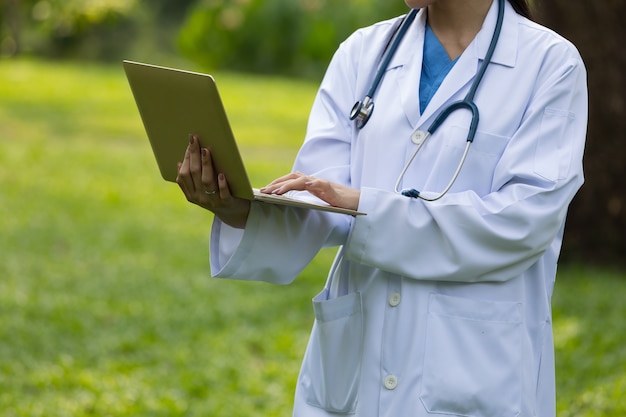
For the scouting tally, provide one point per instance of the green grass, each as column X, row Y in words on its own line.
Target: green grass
column 106, row 306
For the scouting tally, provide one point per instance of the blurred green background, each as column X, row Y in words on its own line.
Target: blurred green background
column 106, row 305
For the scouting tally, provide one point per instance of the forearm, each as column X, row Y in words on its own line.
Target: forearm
column 277, row 243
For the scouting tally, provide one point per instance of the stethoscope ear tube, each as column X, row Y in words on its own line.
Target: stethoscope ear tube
column 362, row 110
column 469, row 105
column 466, row 103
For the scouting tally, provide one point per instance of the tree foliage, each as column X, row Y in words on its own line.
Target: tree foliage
column 88, row 29
column 298, row 37
column 295, row 37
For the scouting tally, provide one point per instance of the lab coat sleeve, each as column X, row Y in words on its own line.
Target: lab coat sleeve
column 469, row 238
column 326, row 151
column 276, row 244
column 279, row 241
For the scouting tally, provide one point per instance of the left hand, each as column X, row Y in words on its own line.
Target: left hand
column 205, row 187
column 335, row 194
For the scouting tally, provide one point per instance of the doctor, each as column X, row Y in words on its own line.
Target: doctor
column 432, row 308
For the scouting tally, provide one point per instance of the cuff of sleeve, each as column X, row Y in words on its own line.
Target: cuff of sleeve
column 229, row 245
column 356, row 246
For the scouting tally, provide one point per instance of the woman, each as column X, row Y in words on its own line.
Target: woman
column 431, row 307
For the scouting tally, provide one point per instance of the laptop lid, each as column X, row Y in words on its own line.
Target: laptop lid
column 174, row 103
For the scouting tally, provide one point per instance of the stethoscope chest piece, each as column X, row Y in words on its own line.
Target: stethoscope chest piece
column 361, row 111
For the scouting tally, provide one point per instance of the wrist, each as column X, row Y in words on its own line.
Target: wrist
column 235, row 216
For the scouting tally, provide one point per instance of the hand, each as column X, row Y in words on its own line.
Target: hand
column 203, row 186
column 335, row 194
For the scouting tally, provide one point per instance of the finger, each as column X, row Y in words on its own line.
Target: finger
column 208, row 172
column 223, row 187
column 184, row 177
column 296, row 184
column 195, row 162
column 281, row 182
column 269, row 189
column 287, row 177
column 180, row 182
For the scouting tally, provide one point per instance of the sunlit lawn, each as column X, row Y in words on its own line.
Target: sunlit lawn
column 106, row 305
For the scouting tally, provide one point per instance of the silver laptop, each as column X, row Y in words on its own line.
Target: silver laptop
column 175, row 103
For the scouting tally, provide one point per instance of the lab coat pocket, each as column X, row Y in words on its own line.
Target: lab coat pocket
column 472, row 363
column 482, row 158
column 552, row 154
column 332, row 366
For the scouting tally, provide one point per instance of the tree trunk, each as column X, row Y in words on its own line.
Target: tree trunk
column 596, row 228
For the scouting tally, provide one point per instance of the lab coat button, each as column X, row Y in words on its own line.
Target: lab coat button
column 418, row 137
column 394, row 299
column 391, row 382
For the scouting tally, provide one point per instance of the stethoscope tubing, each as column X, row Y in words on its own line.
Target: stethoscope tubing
column 471, row 106
column 416, row 194
column 362, row 110
column 408, row 20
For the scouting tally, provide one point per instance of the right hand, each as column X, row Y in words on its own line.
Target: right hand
column 205, row 187
column 335, row 194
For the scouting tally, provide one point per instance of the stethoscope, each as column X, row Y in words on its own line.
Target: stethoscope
column 362, row 110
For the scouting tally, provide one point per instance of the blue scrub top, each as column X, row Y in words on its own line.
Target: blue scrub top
column 435, row 66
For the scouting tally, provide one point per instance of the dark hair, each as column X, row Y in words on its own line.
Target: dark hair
column 522, row 7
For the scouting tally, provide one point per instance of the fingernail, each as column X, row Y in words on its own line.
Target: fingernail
column 204, row 152
column 190, row 138
column 221, row 177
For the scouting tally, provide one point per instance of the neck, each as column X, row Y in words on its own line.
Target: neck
column 456, row 22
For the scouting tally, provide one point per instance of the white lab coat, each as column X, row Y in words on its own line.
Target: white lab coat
column 431, row 308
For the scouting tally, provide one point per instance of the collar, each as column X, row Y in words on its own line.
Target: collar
column 412, row 45
column 504, row 54
column 410, row 53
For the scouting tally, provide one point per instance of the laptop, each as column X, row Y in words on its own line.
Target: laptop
column 174, row 103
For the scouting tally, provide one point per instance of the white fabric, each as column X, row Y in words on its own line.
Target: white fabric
column 438, row 308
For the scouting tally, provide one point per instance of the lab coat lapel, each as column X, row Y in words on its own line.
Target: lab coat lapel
column 467, row 66
column 460, row 75
column 408, row 79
